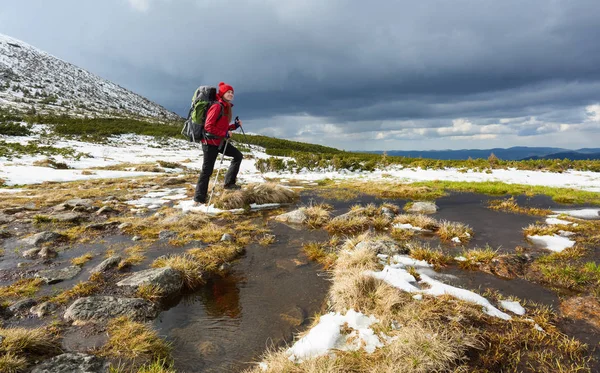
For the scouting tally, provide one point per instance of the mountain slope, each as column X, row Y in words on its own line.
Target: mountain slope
column 573, row 155
column 33, row 80
column 514, row 153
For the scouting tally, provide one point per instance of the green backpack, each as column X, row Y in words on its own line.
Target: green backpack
column 203, row 99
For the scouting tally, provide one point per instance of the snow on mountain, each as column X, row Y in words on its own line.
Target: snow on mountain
column 33, row 79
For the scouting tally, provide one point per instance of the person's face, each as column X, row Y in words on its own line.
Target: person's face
column 228, row 96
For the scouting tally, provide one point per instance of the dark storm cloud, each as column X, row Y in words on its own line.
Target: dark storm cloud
column 361, row 67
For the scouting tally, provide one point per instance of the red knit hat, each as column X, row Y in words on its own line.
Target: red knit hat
column 224, row 88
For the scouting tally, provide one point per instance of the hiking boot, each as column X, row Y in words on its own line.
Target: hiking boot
column 232, row 187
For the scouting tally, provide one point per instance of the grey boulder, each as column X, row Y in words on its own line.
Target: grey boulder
column 103, row 308
column 166, row 278
column 294, row 217
column 113, row 261
column 423, row 208
column 42, row 237
column 52, row 276
column 72, row 363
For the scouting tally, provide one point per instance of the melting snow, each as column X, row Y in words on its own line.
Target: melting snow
column 326, row 336
column 583, row 213
column 556, row 221
column 514, row 307
column 554, row 242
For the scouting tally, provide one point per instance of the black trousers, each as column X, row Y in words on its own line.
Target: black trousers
column 211, row 152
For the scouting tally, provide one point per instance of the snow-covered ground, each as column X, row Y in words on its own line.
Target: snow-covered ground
column 143, row 149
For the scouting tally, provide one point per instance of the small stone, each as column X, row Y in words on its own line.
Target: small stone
column 61, row 207
column 22, row 264
column 73, row 363
column 5, row 219
column 294, row 316
column 47, row 253
column 22, row 305
column 42, row 237
column 13, row 210
column 68, row 217
column 124, row 226
column 31, row 254
column 388, row 213
column 166, row 278
column 105, row 210
column 224, row 267
column 136, row 238
column 43, row 309
column 226, row 238
column 293, row 217
column 102, row 226
column 52, row 276
column 174, row 181
column 113, row 261
column 79, row 202
column 423, row 208
column 167, row 235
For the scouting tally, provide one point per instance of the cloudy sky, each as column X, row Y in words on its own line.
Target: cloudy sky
column 377, row 75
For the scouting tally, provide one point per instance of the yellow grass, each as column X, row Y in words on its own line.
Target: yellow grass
column 81, row 260
column 133, row 340
column 187, row 265
column 23, row 341
column 448, row 230
column 21, row 288
column 12, row 363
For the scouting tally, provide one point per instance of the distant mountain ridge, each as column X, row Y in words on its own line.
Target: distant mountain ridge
column 513, row 154
column 33, row 80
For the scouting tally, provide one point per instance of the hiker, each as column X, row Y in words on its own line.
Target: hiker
column 218, row 131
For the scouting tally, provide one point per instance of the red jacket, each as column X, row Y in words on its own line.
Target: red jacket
column 218, row 127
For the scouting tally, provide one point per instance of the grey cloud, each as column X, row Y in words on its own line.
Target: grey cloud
column 363, row 67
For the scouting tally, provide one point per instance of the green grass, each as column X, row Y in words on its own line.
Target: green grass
column 12, row 150
column 14, row 129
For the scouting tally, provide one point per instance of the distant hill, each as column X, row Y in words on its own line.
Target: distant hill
column 513, row 154
column 35, row 81
column 576, row 156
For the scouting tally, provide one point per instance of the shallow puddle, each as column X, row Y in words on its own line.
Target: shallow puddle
column 271, row 293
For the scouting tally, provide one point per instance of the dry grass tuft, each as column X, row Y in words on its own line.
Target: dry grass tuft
column 133, row 340
column 351, row 226
column 134, row 257
column 477, row 257
column 150, row 292
column 21, row 288
column 434, row 257
column 187, row 265
column 418, row 220
column 231, row 199
column 11, row 363
column 20, row 341
column 541, row 230
column 381, row 223
column 510, row 205
column 211, row 258
column 319, row 252
column 318, row 215
column 81, row 260
column 448, row 230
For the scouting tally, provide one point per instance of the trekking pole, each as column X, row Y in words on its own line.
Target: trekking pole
column 237, row 119
column 217, row 178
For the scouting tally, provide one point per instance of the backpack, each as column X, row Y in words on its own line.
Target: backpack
column 203, row 99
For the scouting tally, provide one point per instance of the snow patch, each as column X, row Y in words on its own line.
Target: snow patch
column 555, row 242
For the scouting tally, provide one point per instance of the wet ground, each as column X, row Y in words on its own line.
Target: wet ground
column 272, row 291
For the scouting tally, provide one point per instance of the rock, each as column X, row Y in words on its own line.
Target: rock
column 47, row 253
column 42, row 237
column 294, row 316
column 226, row 238
column 136, row 238
column 13, row 210
column 5, row 233
column 111, row 199
column 174, row 181
column 349, row 215
column 105, row 210
column 507, row 266
column 224, row 267
column 79, row 202
column 31, row 253
column 210, row 348
column 168, row 279
column 5, row 219
column 124, row 226
column 52, row 276
column 388, row 213
column 167, row 235
column 423, row 208
column 103, row 308
column 22, row 305
column 113, row 261
column 294, row 217
column 43, row 309
column 102, row 226
column 68, row 217
column 60, row 208
column 22, row 264
column 382, row 246
column 73, row 363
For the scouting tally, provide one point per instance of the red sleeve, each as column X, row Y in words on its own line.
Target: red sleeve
column 211, row 125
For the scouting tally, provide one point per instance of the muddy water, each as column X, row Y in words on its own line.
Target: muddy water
column 271, row 293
